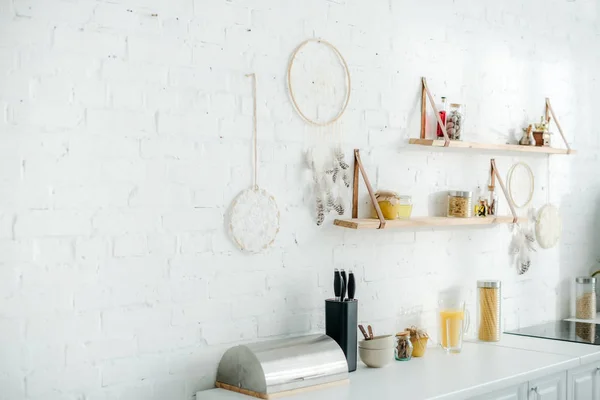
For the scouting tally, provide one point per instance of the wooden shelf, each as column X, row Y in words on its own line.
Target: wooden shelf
column 373, row 223
column 488, row 146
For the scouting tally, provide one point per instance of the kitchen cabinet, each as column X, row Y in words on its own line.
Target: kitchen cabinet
column 518, row 392
column 583, row 383
column 552, row 387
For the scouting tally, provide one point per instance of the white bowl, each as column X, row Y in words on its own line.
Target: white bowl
column 376, row 358
column 378, row 343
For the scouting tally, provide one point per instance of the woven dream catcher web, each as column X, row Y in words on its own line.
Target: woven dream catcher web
column 254, row 217
column 320, row 96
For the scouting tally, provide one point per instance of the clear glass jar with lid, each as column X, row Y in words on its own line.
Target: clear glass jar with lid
column 460, row 204
column 488, row 310
column 455, row 120
column 585, row 297
column 404, row 347
column 393, row 205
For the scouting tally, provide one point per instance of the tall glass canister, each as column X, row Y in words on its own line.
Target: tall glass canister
column 489, row 315
column 585, row 297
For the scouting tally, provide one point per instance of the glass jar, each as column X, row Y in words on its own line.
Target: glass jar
column 488, row 310
column 585, row 297
column 404, row 348
column 393, row 205
column 455, row 120
column 460, row 204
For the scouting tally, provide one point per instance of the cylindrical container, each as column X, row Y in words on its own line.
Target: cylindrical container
column 460, row 204
column 404, row 348
column 585, row 297
column 393, row 205
column 488, row 310
column 442, row 110
column 455, row 120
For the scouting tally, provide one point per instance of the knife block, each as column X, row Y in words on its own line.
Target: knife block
column 341, row 324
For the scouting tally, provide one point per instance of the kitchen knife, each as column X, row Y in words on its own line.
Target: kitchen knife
column 344, row 284
column 337, row 284
column 351, row 285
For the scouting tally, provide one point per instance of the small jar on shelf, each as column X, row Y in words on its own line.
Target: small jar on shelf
column 460, row 204
column 455, row 120
column 404, row 348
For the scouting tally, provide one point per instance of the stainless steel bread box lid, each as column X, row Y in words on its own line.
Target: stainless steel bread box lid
column 278, row 367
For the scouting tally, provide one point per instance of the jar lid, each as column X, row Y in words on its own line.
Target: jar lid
column 489, row 284
column 585, row 279
column 403, row 334
column 455, row 104
column 459, row 193
column 392, row 197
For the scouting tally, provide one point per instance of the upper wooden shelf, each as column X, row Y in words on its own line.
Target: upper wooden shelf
column 488, row 146
column 373, row 223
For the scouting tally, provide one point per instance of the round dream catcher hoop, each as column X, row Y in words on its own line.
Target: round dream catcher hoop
column 291, row 89
column 325, row 158
column 254, row 217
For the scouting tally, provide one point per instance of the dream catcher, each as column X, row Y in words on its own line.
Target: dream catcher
column 254, row 219
column 521, row 186
column 317, row 101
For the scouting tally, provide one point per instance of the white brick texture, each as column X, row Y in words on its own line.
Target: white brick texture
column 125, row 131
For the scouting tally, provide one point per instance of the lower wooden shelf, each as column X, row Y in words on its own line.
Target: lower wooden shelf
column 372, row 223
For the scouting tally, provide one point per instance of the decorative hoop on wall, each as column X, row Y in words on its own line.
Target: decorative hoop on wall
column 511, row 185
column 291, row 90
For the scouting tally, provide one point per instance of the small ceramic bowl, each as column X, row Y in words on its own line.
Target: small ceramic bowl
column 376, row 358
column 378, row 343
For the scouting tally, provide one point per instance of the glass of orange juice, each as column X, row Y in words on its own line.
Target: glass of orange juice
column 453, row 323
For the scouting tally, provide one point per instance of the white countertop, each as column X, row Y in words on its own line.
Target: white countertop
column 479, row 369
column 586, row 353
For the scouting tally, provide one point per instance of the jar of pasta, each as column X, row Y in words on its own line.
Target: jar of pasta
column 488, row 310
column 460, row 204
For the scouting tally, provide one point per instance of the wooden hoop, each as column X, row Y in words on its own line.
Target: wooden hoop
column 289, row 81
column 510, row 189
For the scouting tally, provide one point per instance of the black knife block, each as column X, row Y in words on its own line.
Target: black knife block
column 341, row 324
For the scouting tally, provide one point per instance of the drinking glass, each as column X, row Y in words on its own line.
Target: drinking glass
column 454, row 321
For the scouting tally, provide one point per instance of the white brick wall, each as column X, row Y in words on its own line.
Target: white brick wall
column 124, row 136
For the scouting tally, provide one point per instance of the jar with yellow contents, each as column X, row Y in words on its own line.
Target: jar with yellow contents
column 393, row 206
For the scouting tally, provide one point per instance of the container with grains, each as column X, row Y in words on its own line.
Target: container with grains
column 460, row 204
column 585, row 297
column 404, row 348
column 488, row 310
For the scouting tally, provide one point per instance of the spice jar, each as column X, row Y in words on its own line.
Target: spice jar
column 404, row 348
column 488, row 310
column 455, row 120
column 459, row 204
column 585, row 297
column 392, row 205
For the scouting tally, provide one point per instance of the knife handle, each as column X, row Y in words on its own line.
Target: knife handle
column 351, row 286
column 344, row 284
column 337, row 284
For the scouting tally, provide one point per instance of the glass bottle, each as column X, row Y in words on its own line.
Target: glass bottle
column 481, row 205
column 404, row 347
column 492, row 201
column 442, row 110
